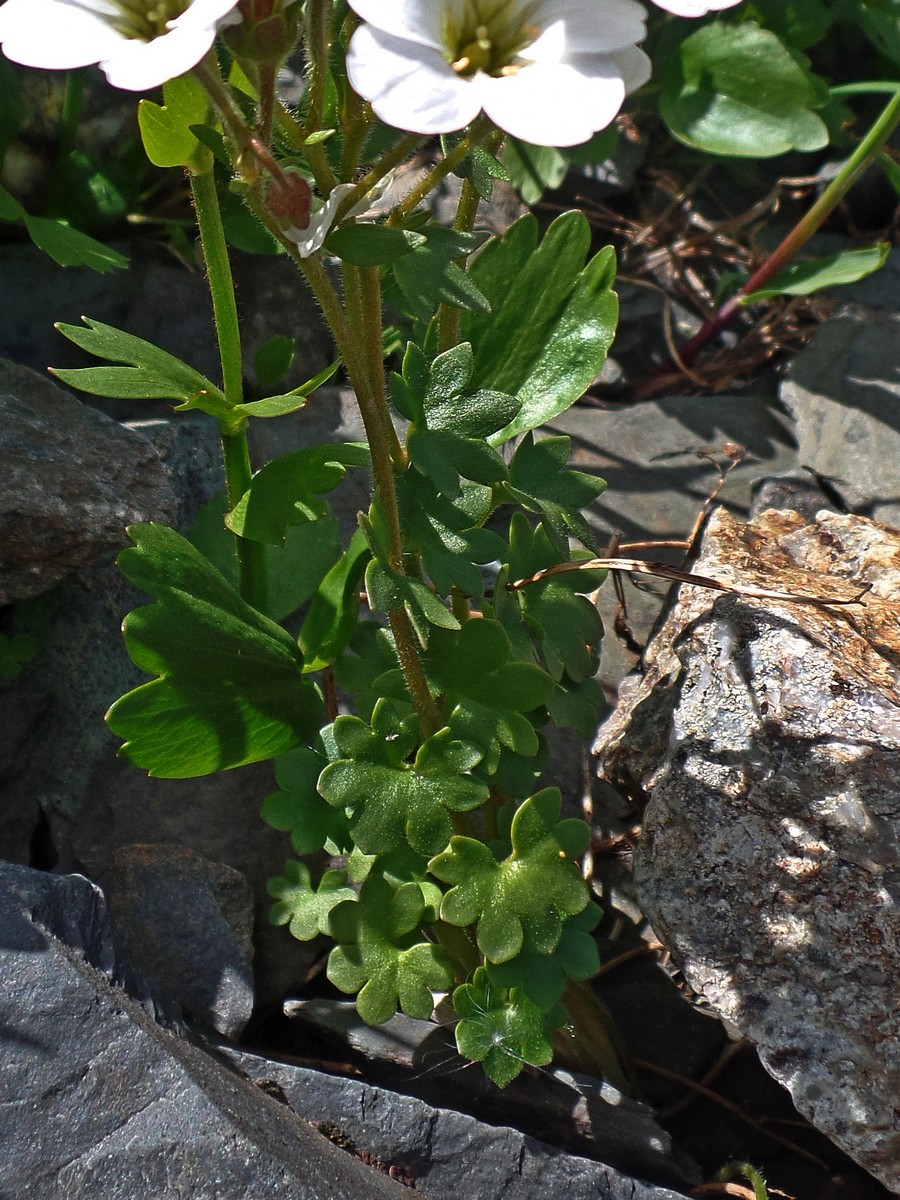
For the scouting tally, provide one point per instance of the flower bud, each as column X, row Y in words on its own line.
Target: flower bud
column 267, row 33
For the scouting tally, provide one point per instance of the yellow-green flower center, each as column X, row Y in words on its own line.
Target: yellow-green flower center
column 488, row 35
column 144, row 20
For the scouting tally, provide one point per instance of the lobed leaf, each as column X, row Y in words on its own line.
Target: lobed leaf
column 230, row 689
column 552, row 318
column 305, row 909
column 528, row 894
column 381, row 955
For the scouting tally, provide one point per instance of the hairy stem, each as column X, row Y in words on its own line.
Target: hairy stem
column 478, row 131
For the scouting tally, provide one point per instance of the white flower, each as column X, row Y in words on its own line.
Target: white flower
column 139, row 44
column 318, row 214
column 551, row 72
column 694, row 8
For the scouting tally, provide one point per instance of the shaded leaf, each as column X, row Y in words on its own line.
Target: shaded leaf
column 230, row 689
column 381, row 955
column 503, row 1030
column 737, row 90
column 303, row 908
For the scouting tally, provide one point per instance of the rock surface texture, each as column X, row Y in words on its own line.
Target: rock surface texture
column 72, row 480
column 766, row 734
column 96, row 1100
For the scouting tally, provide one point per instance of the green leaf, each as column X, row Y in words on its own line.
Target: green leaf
column 279, row 406
column 430, row 276
column 388, row 590
column 552, row 318
column 737, row 90
column 503, row 1030
column 534, row 169
column 530, row 893
column 381, row 955
column 284, row 493
column 304, row 909
column 70, row 247
column 230, row 689
column 294, row 570
column 151, row 374
column 312, row 823
column 481, row 169
column 449, row 420
column 166, row 129
column 543, row 977
column 274, row 359
column 800, row 23
column 332, row 616
column 371, row 245
column 801, row 279
column 371, row 655
column 539, row 480
column 484, row 692
column 394, row 800
column 566, row 625
column 447, row 535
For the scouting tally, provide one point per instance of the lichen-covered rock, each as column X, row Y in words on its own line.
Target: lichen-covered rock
column 766, row 735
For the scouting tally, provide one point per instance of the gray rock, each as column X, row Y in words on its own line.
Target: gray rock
column 844, row 394
column 72, row 481
column 590, row 1117
column 766, row 734
column 448, row 1154
column 98, row 1101
column 186, row 923
column 60, row 759
column 657, row 485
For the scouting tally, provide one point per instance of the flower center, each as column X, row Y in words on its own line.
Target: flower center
column 143, row 20
column 488, row 35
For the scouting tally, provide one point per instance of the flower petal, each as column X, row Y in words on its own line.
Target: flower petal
column 634, row 66
column 694, row 8
column 310, row 239
column 591, row 25
column 556, row 104
column 409, row 86
column 413, row 20
column 139, row 66
column 55, row 35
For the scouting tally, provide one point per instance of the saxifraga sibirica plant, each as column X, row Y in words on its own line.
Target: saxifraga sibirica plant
column 426, row 851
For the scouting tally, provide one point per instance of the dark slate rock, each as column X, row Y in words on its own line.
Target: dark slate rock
column 186, row 924
column 656, row 482
column 72, row 481
column 843, row 392
column 99, row 1103
column 588, row 1116
column 448, row 1154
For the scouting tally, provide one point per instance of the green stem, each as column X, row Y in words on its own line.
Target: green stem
column 478, row 131
column 858, row 162
column 398, row 154
column 319, row 14
column 235, row 449
column 350, row 330
column 466, row 212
